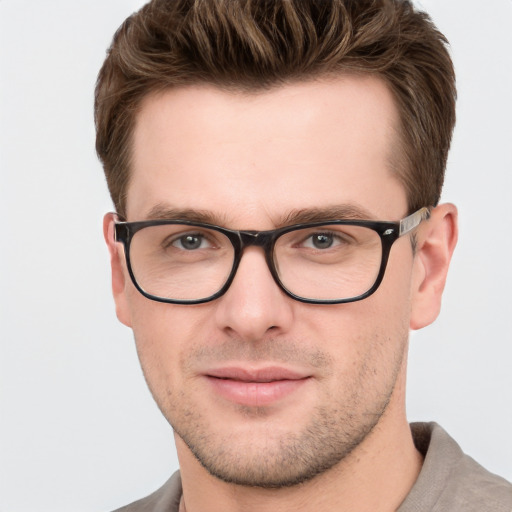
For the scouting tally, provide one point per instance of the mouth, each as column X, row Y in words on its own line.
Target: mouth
column 255, row 387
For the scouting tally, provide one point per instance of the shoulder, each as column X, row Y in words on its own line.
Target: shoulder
column 165, row 499
column 451, row 480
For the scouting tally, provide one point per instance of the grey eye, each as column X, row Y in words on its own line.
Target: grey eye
column 322, row 241
column 189, row 242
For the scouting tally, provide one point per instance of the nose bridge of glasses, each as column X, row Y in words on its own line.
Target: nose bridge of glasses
column 263, row 239
column 255, row 238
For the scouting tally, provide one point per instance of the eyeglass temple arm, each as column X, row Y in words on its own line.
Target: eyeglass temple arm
column 414, row 220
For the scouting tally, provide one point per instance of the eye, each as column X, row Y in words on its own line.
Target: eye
column 191, row 242
column 324, row 240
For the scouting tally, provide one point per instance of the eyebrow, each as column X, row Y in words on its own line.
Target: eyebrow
column 336, row 212
column 297, row 216
column 164, row 212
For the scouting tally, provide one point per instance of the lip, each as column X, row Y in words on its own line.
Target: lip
column 255, row 387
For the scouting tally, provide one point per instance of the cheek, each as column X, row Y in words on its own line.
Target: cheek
column 373, row 329
column 162, row 334
column 372, row 332
column 394, row 293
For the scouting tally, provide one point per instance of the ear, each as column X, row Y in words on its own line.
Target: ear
column 118, row 271
column 436, row 240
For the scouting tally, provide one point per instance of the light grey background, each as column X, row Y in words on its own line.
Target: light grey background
column 78, row 429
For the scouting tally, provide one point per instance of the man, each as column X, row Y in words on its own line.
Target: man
column 276, row 169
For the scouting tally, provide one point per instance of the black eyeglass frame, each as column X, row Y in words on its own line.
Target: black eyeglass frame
column 388, row 232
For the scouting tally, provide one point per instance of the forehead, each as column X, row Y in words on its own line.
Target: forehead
column 249, row 158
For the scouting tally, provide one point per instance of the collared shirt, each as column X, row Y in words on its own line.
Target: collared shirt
column 452, row 481
column 449, row 481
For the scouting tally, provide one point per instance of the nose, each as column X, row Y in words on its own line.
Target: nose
column 254, row 307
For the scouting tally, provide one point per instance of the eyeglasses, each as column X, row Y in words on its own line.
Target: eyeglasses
column 332, row 262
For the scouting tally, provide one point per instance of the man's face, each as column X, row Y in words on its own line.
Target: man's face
column 262, row 389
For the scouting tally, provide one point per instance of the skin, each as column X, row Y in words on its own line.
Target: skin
column 339, row 439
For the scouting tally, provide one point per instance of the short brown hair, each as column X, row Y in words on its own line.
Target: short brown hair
column 252, row 45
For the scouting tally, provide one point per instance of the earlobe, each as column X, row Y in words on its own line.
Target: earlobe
column 118, row 274
column 436, row 242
